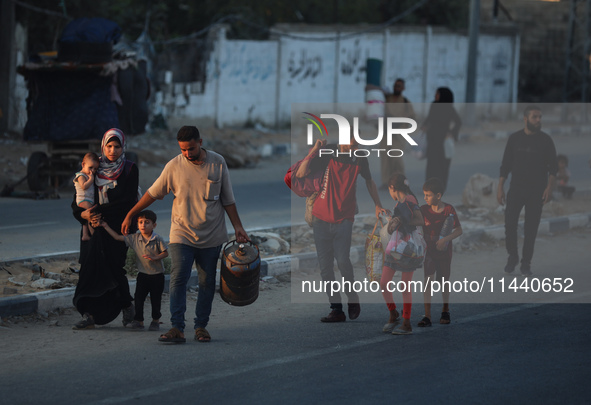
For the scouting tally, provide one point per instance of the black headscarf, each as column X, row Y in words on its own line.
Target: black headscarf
column 445, row 95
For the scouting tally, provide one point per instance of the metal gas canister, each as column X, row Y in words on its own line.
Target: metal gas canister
column 239, row 274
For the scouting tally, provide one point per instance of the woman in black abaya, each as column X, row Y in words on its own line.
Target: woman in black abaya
column 442, row 122
column 103, row 291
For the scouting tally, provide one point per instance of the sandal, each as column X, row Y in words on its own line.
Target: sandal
column 401, row 331
column 172, row 336
column 445, row 318
column 425, row 322
column 202, row 335
column 389, row 327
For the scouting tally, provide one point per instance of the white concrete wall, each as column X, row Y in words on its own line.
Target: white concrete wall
column 446, row 65
column 257, row 81
column 353, row 55
column 307, row 74
column 247, row 81
column 496, row 69
column 406, row 58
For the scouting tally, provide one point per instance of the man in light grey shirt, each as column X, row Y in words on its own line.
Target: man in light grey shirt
column 200, row 182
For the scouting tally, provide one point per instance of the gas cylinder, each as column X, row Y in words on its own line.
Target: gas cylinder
column 239, row 274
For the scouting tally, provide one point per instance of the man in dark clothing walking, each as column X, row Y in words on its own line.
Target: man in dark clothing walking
column 530, row 157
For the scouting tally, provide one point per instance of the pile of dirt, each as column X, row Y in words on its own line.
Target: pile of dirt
column 31, row 276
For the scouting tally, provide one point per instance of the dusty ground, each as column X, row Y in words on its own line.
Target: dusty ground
column 269, row 293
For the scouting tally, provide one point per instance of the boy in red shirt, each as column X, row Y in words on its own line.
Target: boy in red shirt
column 439, row 246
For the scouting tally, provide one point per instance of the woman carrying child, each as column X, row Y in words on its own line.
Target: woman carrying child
column 407, row 216
column 103, row 290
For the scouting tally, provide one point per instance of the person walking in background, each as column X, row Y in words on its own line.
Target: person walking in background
column 200, row 182
column 397, row 105
column 102, row 291
column 530, row 158
column 442, row 122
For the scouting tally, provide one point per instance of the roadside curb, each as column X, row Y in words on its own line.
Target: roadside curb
column 547, row 225
column 47, row 301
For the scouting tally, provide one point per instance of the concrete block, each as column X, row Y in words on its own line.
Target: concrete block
column 266, row 150
column 20, row 305
column 578, row 220
column 496, row 232
column 559, row 224
column 307, row 261
column 282, row 149
column 544, row 227
column 264, row 268
column 279, row 265
column 51, row 300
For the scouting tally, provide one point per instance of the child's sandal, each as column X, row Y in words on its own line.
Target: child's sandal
column 445, row 318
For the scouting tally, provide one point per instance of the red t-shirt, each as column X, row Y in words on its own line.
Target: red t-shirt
column 337, row 200
column 432, row 229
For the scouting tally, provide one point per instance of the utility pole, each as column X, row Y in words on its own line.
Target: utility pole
column 472, row 51
column 471, row 65
column 495, row 10
column 578, row 48
column 7, row 68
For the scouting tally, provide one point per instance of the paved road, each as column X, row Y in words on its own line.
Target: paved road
column 274, row 351
column 30, row 227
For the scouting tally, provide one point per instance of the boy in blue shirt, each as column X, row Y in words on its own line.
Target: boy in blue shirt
column 150, row 249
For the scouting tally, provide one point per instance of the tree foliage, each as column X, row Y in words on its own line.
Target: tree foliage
column 248, row 19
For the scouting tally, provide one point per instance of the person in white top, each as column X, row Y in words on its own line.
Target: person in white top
column 200, row 182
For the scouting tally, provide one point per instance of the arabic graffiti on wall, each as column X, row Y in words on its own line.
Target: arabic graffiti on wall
column 352, row 62
column 500, row 65
column 302, row 66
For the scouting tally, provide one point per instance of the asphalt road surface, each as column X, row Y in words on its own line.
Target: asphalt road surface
column 29, row 227
column 275, row 351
